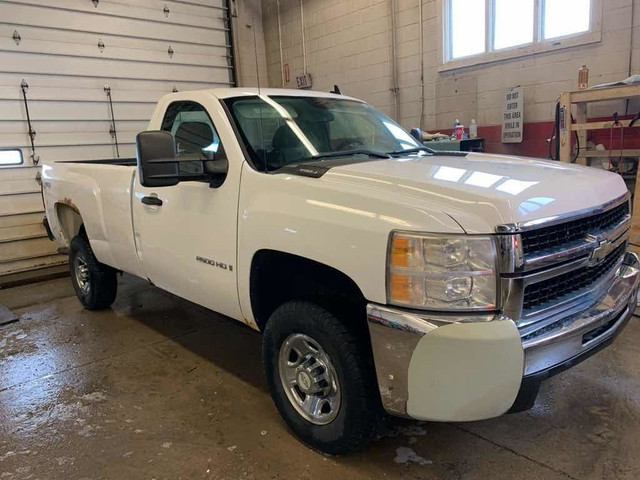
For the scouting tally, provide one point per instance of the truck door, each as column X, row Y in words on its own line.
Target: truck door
column 186, row 238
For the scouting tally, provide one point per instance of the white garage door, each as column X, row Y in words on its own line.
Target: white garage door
column 67, row 51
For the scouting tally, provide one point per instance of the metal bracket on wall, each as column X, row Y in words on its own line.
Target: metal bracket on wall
column 95, row 3
column 32, row 133
column 112, row 128
column 166, row 11
column 100, row 45
column 170, row 52
column 16, row 37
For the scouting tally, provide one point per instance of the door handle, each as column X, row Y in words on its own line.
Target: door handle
column 155, row 201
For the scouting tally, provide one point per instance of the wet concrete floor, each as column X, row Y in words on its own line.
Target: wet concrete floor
column 160, row 388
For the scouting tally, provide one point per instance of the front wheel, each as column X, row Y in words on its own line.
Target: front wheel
column 95, row 284
column 321, row 378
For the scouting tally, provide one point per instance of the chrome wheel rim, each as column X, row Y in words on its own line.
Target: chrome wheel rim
column 81, row 270
column 309, row 379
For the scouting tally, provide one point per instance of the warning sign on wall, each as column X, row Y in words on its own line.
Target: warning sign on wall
column 512, row 117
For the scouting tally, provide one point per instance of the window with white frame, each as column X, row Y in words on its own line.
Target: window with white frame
column 476, row 27
column 10, row 156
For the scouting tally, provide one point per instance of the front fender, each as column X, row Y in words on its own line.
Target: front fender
column 324, row 221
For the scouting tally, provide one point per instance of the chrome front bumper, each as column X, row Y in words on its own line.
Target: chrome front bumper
column 482, row 367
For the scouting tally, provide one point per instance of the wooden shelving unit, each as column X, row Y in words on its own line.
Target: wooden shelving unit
column 581, row 99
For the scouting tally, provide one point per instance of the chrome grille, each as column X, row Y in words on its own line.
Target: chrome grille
column 542, row 293
column 555, row 236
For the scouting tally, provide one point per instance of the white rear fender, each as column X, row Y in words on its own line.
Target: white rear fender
column 98, row 197
column 70, row 190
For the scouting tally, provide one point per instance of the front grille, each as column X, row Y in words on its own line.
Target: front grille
column 557, row 235
column 540, row 293
column 586, row 338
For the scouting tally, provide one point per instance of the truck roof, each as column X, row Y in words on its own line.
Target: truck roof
column 252, row 91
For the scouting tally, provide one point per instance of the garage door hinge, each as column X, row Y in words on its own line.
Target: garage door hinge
column 100, row 45
column 16, row 37
column 95, row 3
column 166, row 11
column 32, row 133
column 170, row 52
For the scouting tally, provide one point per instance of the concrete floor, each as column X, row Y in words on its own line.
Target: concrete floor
column 159, row 388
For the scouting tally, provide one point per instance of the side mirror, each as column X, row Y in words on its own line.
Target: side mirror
column 159, row 165
column 217, row 169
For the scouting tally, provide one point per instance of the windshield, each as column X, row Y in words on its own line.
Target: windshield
column 285, row 130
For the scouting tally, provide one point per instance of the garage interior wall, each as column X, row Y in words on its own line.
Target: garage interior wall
column 67, row 51
column 348, row 43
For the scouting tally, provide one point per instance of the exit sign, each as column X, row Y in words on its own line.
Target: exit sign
column 304, row 81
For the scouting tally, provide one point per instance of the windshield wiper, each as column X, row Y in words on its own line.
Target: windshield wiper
column 348, row 153
column 412, row 150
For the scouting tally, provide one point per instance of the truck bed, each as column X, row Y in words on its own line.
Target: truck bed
column 123, row 162
column 100, row 192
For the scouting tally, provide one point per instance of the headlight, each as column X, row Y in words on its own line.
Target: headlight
column 442, row 272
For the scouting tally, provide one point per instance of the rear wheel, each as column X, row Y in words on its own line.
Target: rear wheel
column 95, row 284
column 321, row 378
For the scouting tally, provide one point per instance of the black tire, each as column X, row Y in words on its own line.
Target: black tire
column 360, row 413
column 102, row 280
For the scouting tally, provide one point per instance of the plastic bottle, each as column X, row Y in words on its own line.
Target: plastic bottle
column 473, row 129
column 455, row 126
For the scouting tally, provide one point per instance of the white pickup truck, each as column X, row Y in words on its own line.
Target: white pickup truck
column 383, row 276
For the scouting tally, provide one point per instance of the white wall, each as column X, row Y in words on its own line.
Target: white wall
column 349, row 43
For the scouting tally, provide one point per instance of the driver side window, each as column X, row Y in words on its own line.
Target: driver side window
column 192, row 129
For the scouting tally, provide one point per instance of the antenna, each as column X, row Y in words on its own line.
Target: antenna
column 255, row 51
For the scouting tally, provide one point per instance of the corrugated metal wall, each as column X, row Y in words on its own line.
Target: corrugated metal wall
column 67, row 51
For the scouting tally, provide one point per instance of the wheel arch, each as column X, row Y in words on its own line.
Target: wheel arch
column 277, row 277
column 70, row 221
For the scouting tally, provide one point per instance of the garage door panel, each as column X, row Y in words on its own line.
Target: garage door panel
column 70, row 127
column 19, row 204
column 31, row 34
column 22, row 232
column 69, row 139
column 24, row 249
column 9, row 174
column 14, row 110
column 85, row 152
column 212, row 8
column 18, row 266
column 28, row 63
column 217, row 4
column 41, row 93
column 20, row 220
column 96, row 84
column 28, row 185
column 32, row 15
column 137, row 11
column 162, row 57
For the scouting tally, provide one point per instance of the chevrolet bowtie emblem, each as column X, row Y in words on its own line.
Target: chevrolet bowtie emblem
column 602, row 249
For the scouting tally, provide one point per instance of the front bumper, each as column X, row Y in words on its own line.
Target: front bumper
column 472, row 367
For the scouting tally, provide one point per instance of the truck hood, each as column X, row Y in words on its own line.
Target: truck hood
column 481, row 191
